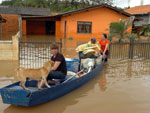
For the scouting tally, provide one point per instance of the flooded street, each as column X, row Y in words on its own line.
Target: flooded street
column 122, row 87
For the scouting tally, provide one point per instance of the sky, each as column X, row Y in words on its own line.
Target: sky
column 124, row 3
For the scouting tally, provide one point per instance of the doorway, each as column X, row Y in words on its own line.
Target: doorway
column 50, row 27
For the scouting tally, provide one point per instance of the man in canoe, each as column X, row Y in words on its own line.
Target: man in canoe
column 59, row 70
column 88, row 50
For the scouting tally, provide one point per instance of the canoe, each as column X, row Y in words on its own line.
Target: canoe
column 14, row 94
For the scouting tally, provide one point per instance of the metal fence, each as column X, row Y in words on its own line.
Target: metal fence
column 35, row 54
column 132, row 50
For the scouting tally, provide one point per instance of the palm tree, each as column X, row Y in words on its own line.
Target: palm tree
column 120, row 28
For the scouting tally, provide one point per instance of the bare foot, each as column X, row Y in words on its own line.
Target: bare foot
column 57, row 83
column 53, row 82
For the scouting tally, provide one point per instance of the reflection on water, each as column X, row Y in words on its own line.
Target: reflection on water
column 8, row 72
column 102, row 82
column 122, row 87
column 38, row 38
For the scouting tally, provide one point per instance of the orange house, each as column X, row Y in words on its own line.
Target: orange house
column 89, row 22
column 83, row 23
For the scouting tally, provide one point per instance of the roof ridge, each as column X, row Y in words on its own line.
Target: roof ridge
column 139, row 9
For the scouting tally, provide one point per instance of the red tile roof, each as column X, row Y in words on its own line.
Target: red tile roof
column 139, row 9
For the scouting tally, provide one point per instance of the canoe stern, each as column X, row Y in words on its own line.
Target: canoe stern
column 14, row 94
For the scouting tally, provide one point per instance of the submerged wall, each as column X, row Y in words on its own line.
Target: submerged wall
column 9, row 50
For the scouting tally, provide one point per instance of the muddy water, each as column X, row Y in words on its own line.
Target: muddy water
column 122, row 87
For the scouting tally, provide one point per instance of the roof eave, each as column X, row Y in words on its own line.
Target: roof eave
column 148, row 13
column 92, row 7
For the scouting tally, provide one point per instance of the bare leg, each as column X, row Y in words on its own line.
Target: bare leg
column 43, row 82
column 22, row 84
column 53, row 82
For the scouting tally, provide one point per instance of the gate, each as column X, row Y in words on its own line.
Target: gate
column 35, row 54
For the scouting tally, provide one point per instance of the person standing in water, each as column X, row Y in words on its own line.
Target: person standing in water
column 104, row 44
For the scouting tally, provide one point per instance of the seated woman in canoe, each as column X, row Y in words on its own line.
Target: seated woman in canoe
column 59, row 70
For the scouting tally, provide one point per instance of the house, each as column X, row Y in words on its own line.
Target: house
column 13, row 17
column 83, row 23
column 142, row 14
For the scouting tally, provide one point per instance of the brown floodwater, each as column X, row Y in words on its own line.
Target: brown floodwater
column 122, row 87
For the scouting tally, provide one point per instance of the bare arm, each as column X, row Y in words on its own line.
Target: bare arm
column 56, row 65
column 106, row 48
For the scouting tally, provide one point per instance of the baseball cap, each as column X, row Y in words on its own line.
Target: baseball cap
column 94, row 39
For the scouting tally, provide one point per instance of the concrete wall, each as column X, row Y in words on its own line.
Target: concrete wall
column 10, row 49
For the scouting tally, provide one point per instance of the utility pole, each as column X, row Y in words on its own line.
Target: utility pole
column 128, row 3
column 142, row 2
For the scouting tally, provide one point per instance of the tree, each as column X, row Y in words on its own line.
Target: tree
column 56, row 5
column 119, row 29
column 98, row 2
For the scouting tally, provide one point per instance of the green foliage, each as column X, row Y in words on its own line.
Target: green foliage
column 70, row 38
column 118, row 29
column 131, row 36
column 56, row 5
column 109, row 37
column 145, row 31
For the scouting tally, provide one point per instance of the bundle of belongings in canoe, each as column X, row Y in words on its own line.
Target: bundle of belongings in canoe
column 88, row 55
column 88, row 50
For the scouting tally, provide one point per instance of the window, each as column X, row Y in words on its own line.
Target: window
column 84, row 27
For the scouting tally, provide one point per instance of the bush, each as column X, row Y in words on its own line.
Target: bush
column 132, row 36
column 145, row 31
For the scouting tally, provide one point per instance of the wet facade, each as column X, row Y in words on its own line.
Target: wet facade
column 83, row 23
column 13, row 17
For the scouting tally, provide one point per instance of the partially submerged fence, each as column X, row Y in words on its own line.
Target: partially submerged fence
column 35, row 54
column 132, row 50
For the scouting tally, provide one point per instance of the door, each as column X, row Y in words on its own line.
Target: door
column 50, row 27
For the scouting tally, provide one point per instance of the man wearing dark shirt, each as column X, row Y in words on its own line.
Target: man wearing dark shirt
column 59, row 70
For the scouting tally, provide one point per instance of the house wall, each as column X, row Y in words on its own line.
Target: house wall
column 24, row 27
column 57, row 29
column 12, row 24
column 35, row 27
column 144, row 20
column 100, row 18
